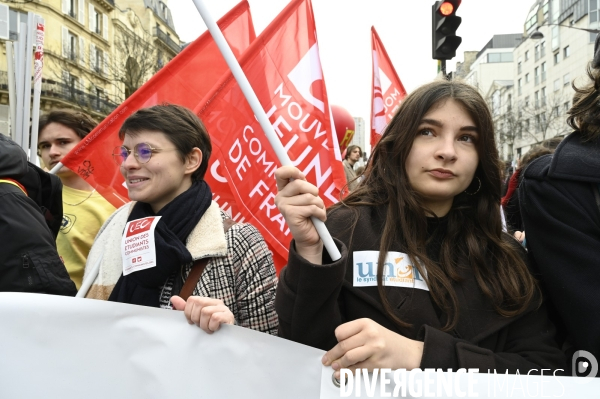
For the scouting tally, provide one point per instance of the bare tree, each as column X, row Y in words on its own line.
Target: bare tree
column 547, row 118
column 84, row 75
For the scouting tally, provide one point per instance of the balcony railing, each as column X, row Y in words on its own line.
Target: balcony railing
column 166, row 39
column 71, row 94
column 67, row 93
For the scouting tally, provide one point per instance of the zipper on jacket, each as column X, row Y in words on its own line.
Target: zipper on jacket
column 25, row 262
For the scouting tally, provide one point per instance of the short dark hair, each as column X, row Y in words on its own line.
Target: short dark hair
column 82, row 124
column 350, row 149
column 181, row 126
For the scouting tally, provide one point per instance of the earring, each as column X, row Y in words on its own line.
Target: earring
column 478, row 188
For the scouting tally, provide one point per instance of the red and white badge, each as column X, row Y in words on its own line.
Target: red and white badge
column 138, row 247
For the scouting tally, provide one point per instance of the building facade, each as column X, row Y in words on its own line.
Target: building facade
column 529, row 98
column 96, row 52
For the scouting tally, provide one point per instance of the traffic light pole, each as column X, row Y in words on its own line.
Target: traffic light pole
column 443, row 68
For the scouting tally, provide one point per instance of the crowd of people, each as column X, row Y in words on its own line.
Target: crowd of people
column 429, row 276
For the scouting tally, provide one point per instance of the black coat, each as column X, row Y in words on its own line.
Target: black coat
column 29, row 261
column 560, row 210
column 313, row 300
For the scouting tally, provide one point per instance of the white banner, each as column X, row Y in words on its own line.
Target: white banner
column 62, row 347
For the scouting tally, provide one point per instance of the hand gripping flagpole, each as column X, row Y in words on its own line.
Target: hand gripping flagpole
column 260, row 114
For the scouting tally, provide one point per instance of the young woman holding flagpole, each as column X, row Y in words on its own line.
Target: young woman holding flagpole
column 427, row 278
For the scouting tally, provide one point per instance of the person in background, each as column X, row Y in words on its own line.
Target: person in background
column 353, row 154
column 560, row 207
column 29, row 207
column 427, row 278
column 510, row 202
column 164, row 157
column 84, row 209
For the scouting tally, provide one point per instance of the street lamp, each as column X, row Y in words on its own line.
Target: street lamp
column 537, row 35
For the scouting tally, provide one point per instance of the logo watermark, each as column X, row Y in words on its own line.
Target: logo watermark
column 584, row 364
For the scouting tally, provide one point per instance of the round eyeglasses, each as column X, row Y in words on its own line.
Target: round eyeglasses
column 142, row 152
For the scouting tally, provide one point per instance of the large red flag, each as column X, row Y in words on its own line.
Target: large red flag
column 185, row 80
column 388, row 90
column 284, row 69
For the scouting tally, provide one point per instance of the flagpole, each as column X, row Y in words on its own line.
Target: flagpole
column 37, row 87
column 28, row 57
column 12, row 99
column 260, row 114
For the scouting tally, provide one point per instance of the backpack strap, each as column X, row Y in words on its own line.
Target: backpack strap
column 14, row 183
column 198, row 268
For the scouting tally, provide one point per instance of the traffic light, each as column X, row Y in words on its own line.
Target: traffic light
column 444, row 23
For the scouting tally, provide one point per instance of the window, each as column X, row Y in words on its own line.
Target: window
column 594, row 14
column 71, row 46
column 556, row 57
column 537, row 75
column 519, row 66
column 71, row 8
column 526, row 101
column 567, row 79
column 543, row 49
column 557, row 85
column 14, row 23
column 509, row 102
column 526, row 55
column 566, row 52
column 99, row 65
column 543, row 71
column 543, row 119
column 555, row 111
column 526, row 78
column 499, row 57
column 537, row 52
column 74, row 9
column 555, row 38
column 519, row 86
column 538, row 125
column 543, row 96
column 566, row 106
column 536, row 96
column 95, row 20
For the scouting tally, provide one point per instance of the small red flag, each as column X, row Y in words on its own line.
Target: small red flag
column 388, row 91
column 185, row 80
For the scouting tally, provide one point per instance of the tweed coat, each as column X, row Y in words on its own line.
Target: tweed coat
column 240, row 271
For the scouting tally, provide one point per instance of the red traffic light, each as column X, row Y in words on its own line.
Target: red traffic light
column 446, row 8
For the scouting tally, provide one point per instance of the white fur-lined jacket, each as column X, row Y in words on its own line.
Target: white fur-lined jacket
column 240, row 271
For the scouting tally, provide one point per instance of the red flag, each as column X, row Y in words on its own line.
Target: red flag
column 185, row 80
column 284, row 69
column 388, row 90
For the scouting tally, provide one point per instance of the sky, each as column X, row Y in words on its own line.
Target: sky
column 344, row 35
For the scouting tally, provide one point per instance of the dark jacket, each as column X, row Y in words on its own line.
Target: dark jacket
column 313, row 300
column 560, row 210
column 28, row 258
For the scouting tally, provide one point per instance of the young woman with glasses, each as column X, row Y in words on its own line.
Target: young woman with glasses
column 427, row 278
column 163, row 159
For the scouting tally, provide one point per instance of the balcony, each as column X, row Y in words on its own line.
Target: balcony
column 61, row 91
column 166, row 39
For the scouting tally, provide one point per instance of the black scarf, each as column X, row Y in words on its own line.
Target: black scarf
column 179, row 217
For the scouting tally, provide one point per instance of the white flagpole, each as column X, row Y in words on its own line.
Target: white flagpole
column 20, row 72
column 56, row 168
column 37, row 87
column 28, row 57
column 260, row 114
column 12, row 100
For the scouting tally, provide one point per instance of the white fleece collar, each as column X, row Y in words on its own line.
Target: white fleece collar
column 208, row 237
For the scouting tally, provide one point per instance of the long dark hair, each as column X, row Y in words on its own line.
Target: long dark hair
column 474, row 236
column 584, row 115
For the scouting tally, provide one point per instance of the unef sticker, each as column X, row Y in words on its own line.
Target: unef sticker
column 138, row 247
column 398, row 271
